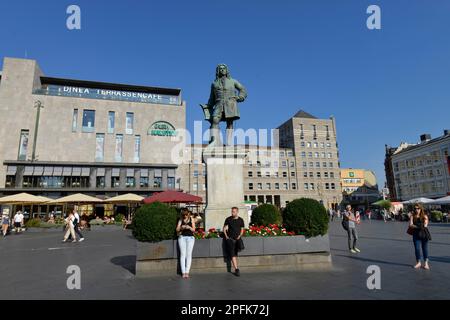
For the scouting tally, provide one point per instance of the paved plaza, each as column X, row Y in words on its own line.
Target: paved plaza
column 33, row 266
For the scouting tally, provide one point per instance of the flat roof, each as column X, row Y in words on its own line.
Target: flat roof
column 423, row 144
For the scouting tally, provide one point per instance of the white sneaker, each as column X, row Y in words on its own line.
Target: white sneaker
column 81, row 239
column 64, row 240
column 352, row 251
column 74, row 240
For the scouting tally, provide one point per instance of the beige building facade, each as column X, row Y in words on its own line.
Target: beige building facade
column 423, row 169
column 65, row 136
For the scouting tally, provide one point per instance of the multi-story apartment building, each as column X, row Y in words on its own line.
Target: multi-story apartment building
column 359, row 187
column 421, row 170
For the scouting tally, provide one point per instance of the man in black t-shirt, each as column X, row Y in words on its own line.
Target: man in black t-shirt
column 233, row 229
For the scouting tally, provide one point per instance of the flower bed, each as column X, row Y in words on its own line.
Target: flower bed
column 272, row 230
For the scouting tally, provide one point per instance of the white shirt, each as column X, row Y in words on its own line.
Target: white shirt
column 77, row 217
column 18, row 217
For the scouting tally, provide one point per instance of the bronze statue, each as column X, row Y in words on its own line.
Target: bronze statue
column 226, row 92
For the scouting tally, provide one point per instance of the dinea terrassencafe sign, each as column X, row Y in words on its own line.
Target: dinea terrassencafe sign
column 162, row 128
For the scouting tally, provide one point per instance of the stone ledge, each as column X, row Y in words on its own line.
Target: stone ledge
column 266, row 263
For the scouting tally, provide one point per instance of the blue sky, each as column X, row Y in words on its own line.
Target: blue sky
column 383, row 86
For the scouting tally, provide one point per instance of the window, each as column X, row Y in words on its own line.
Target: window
column 324, row 164
column 330, row 164
column 204, row 186
column 284, row 164
column 305, row 174
column 292, row 164
column 250, row 164
column 195, row 186
column 250, row 186
column 99, row 146
column 258, row 174
column 259, row 186
column 75, row 120
column 111, row 121
column 292, row 173
column 129, row 123
column 305, row 164
column 281, row 153
column 157, row 182
column 115, row 182
column 306, row 186
column 195, row 173
column 285, row 186
column 318, row 174
column 131, row 182
column 267, row 174
column 308, row 144
column 23, row 144
column 290, row 154
column 88, row 120
column 310, row 154
column 144, row 182
column 325, row 174
column 329, row 155
column 171, row 183
column 317, row 164
column 311, row 186
column 333, row 186
column 250, row 174
column 277, row 186
column 316, row 154
column 311, row 164
column 323, row 154
column 275, row 174
column 327, row 186
column 119, row 145
column 10, row 181
column 284, row 174
column 100, row 182
column 328, row 145
column 294, row 186
column 322, row 145
column 137, row 149
column 268, row 186
column 311, row 174
column 316, row 145
column 302, row 144
column 303, row 154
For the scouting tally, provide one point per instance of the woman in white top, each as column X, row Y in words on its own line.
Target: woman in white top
column 70, row 228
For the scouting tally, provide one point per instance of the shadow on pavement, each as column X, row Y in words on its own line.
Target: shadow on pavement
column 126, row 262
column 440, row 259
column 375, row 261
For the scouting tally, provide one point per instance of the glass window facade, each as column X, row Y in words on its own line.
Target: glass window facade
column 111, row 121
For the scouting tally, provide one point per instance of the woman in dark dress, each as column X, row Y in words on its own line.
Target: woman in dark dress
column 419, row 224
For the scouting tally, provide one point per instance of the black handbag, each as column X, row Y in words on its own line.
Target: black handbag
column 240, row 245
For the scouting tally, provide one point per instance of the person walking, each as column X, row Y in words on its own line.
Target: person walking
column 418, row 223
column 352, row 220
column 186, row 240
column 18, row 221
column 76, row 225
column 5, row 224
column 233, row 230
column 70, row 228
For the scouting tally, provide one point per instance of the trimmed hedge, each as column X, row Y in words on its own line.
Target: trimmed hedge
column 33, row 223
column 265, row 214
column 155, row 222
column 307, row 217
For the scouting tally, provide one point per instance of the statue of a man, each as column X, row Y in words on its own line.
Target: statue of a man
column 226, row 92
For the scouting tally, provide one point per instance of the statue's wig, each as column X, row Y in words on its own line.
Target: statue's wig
column 217, row 70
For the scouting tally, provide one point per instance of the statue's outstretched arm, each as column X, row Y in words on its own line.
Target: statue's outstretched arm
column 242, row 91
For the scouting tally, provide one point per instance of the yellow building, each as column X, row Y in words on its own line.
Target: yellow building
column 359, row 187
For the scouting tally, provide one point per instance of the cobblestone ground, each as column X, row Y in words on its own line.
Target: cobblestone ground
column 33, row 266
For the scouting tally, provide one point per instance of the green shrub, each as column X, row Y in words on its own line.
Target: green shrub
column 307, row 217
column 436, row 216
column 119, row 218
column 265, row 214
column 33, row 223
column 155, row 222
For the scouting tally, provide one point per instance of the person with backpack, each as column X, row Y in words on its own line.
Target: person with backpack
column 349, row 223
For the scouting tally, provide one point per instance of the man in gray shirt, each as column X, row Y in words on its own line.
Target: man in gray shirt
column 351, row 231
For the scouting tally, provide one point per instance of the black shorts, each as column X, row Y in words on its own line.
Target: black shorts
column 17, row 224
column 231, row 247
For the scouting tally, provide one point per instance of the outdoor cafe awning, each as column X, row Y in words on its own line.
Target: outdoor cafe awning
column 23, row 198
column 125, row 198
column 76, row 198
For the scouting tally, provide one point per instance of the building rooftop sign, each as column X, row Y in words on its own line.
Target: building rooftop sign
column 107, row 94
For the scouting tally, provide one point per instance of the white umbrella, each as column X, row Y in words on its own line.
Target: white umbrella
column 418, row 200
column 444, row 200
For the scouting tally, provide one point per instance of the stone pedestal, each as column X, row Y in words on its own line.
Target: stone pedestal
column 225, row 184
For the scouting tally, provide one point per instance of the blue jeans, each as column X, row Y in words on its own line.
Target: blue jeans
column 186, row 245
column 417, row 243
